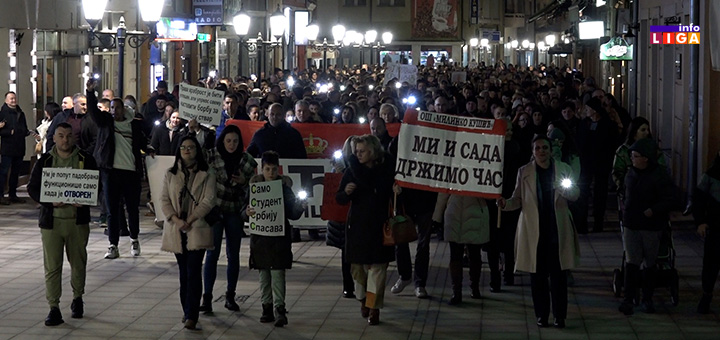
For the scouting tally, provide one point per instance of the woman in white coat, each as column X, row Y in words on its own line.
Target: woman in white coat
column 466, row 221
column 546, row 243
column 188, row 195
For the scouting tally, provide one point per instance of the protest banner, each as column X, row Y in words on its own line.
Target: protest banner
column 157, row 167
column 71, row 186
column 202, row 104
column 307, row 175
column 331, row 209
column 451, row 154
column 267, row 199
column 321, row 140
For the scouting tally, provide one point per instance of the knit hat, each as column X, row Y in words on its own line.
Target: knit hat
column 646, row 147
column 556, row 134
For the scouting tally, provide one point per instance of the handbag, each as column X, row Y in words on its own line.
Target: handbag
column 398, row 228
column 214, row 216
column 38, row 148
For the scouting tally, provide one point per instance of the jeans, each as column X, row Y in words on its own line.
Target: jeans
column 122, row 184
column 190, row 267
column 12, row 165
column 232, row 225
column 422, row 253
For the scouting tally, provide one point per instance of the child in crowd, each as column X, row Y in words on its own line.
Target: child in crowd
column 272, row 255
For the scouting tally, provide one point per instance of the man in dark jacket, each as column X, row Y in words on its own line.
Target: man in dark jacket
column 648, row 200
column 13, row 130
column 277, row 135
column 63, row 226
column 120, row 139
column 84, row 130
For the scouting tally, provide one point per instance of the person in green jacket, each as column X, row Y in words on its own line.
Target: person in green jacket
column 639, row 128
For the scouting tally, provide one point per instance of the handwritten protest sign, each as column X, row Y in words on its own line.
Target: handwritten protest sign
column 452, row 154
column 267, row 199
column 403, row 73
column 73, row 186
column 201, row 104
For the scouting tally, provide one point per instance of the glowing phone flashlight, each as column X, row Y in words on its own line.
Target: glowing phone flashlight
column 302, row 194
column 566, row 183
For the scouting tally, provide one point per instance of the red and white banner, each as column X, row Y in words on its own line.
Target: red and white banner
column 451, row 154
column 321, row 140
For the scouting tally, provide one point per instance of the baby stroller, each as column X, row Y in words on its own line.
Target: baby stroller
column 667, row 275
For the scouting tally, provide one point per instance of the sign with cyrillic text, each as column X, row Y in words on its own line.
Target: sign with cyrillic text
column 71, row 186
column 267, row 200
column 451, row 154
column 202, row 104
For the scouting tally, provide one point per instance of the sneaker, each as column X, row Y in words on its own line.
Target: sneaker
column 77, row 308
column 112, row 252
column 399, row 286
column 54, row 318
column 135, row 248
column 421, row 293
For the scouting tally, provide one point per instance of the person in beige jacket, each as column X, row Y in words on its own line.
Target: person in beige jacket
column 546, row 243
column 466, row 222
column 188, row 195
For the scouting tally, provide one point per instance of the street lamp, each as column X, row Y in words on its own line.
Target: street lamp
column 277, row 23
column 241, row 22
column 150, row 12
column 338, row 33
column 312, row 30
column 93, row 11
column 387, row 38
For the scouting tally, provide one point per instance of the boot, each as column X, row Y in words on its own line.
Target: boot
column 494, row 281
column 648, row 289
column 632, row 272
column 374, row 317
column 206, row 305
column 280, row 316
column 704, row 305
column 230, row 303
column 456, row 277
column 267, row 313
column 364, row 311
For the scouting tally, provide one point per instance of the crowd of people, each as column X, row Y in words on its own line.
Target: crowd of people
column 565, row 138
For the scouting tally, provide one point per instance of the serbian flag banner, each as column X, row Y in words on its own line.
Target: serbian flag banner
column 321, row 140
column 451, row 154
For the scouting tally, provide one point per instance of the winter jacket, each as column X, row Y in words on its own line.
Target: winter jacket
column 528, row 229
column 161, row 143
column 650, row 188
column 35, row 185
column 105, row 148
column 368, row 211
column 284, row 140
column 202, row 189
column 622, row 162
column 466, row 218
column 13, row 134
column 275, row 252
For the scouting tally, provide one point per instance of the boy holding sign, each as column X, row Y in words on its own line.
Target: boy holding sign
column 271, row 203
column 63, row 226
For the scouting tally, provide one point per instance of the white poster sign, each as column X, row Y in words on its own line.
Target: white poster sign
column 267, row 200
column 202, row 104
column 72, row 186
column 157, row 167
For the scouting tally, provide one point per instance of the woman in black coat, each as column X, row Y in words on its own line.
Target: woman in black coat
column 706, row 210
column 367, row 185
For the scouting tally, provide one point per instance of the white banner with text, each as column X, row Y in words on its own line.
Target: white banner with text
column 72, row 186
column 202, row 104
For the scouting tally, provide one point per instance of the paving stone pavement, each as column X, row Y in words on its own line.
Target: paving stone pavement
column 137, row 298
